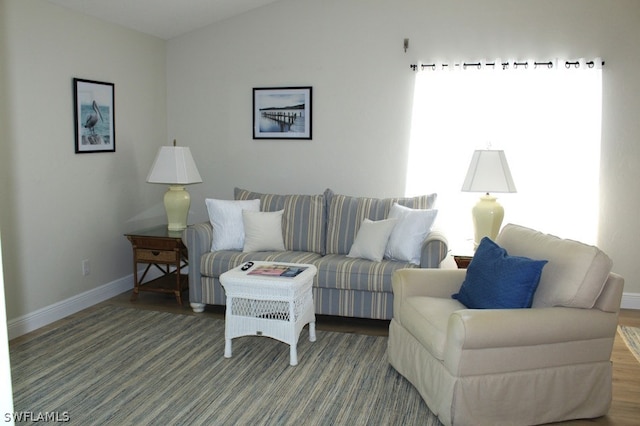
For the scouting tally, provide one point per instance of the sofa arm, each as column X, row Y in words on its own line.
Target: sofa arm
column 197, row 238
column 434, row 249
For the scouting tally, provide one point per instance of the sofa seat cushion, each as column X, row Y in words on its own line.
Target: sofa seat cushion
column 303, row 221
column 213, row 264
column 342, row 272
column 426, row 318
column 575, row 274
column 346, row 213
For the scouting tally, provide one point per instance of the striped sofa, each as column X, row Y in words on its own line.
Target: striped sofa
column 317, row 229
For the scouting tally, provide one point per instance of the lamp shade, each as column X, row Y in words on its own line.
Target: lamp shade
column 174, row 165
column 488, row 172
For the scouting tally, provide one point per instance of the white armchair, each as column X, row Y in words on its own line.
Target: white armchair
column 545, row 364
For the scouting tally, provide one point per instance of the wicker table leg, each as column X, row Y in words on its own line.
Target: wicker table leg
column 293, row 354
column 227, row 348
column 312, row 331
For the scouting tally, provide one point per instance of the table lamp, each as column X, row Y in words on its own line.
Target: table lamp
column 488, row 172
column 174, row 166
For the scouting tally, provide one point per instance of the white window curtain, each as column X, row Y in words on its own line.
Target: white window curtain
column 547, row 119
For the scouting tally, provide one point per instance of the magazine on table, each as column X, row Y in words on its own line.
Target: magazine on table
column 277, row 270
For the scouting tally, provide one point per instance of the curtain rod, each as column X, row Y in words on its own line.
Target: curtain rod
column 505, row 65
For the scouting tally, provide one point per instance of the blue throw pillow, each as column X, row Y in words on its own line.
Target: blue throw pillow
column 496, row 280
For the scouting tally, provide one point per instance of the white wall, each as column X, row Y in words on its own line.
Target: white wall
column 59, row 207
column 333, row 46
column 6, row 393
column 350, row 51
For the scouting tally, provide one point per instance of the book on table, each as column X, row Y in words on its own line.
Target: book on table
column 276, row 270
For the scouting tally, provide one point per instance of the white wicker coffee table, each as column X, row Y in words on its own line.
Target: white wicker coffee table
column 269, row 305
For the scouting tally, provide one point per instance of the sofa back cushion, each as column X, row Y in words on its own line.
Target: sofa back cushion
column 303, row 220
column 573, row 277
column 346, row 213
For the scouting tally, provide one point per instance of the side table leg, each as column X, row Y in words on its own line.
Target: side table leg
column 312, row 331
column 227, row 348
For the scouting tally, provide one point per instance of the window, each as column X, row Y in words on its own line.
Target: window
column 547, row 120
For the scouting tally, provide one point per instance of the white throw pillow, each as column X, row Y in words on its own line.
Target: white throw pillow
column 371, row 239
column 405, row 242
column 226, row 219
column 262, row 231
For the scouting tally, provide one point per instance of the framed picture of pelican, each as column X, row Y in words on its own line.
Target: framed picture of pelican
column 282, row 113
column 94, row 116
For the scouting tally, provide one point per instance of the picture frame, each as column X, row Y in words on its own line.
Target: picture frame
column 282, row 112
column 94, row 116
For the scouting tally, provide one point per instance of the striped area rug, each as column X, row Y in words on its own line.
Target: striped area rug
column 631, row 336
column 121, row 366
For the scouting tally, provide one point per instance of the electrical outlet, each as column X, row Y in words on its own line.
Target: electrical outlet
column 86, row 267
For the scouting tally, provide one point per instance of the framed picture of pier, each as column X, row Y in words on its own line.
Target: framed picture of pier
column 282, row 113
column 94, row 116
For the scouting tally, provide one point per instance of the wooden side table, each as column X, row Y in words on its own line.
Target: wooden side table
column 164, row 250
column 462, row 261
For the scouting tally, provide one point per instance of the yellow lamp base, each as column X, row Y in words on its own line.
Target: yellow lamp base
column 177, row 202
column 487, row 218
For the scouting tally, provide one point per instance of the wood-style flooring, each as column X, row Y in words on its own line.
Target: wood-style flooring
column 625, row 408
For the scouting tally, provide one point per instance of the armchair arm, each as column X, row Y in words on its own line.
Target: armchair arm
column 434, row 249
column 426, row 282
column 197, row 238
column 411, row 282
column 486, row 340
column 498, row 328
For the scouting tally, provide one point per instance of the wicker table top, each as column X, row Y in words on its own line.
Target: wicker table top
column 243, row 275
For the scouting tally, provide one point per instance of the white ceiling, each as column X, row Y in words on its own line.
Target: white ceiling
column 162, row 18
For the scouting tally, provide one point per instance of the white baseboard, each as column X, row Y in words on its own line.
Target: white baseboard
column 630, row 301
column 47, row 315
